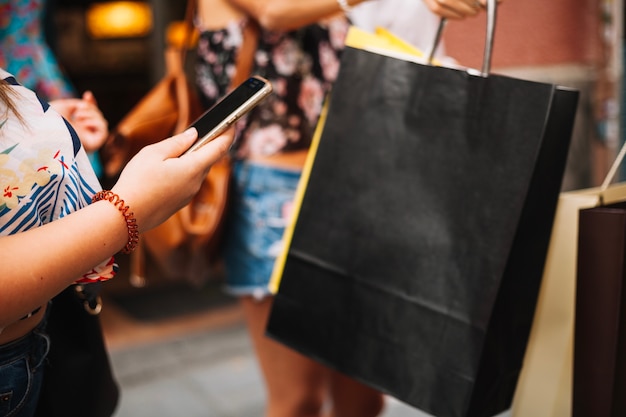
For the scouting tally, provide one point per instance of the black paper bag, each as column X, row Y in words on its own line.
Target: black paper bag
column 417, row 254
column 600, row 325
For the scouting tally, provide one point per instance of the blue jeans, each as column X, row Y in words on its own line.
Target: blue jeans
column 21, row 373
column 260, row 209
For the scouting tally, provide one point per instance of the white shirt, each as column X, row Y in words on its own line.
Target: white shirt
column 411, row 20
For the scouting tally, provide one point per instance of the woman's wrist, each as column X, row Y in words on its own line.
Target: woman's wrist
column 129, row 217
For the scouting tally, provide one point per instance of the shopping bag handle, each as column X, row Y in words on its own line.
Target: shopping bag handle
column 613, row 170
column 491, row 28
column 609, row 176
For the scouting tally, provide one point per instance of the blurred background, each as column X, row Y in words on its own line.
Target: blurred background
column 115, row 49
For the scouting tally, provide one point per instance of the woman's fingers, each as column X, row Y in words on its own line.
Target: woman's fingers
column 159, row 180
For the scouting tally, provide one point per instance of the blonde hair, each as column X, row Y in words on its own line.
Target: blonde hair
column 6, row 96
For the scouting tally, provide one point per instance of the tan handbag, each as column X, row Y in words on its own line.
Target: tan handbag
column 185, row 246
column 168, row 108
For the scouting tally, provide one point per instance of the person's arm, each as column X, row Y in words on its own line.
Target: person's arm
column 39, row 263
column 289, row 14
column 456, row 9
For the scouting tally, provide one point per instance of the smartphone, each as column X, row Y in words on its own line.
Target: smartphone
column 230, row 109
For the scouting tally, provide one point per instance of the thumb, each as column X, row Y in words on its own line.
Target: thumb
column 174, row 146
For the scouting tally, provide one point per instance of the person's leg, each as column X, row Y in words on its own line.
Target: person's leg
column 351, row 398
column 296, row 385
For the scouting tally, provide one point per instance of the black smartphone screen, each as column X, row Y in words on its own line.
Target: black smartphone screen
column 229, row 104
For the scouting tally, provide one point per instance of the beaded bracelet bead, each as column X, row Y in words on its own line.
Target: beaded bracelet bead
column 129, row 217
column 344, row 6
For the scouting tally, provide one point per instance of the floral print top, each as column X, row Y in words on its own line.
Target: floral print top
column 24, row 51
column 301, row 65
column 44, row 171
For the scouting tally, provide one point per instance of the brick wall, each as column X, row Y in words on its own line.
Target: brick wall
column 530, row 33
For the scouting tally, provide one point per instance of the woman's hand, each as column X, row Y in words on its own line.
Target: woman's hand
column 86, row 118
column 457, row 9
column 159, row 180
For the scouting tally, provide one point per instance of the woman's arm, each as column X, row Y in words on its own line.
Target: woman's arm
column 41, row 262
column 457, row 9
column 289, row 14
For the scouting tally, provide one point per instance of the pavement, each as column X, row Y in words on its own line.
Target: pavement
column 183, row 352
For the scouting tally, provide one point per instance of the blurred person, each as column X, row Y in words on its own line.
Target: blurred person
column 298, row 52
column 57, row 227
column 25, row 53
column 299, row 47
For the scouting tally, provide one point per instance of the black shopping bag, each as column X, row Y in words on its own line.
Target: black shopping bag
column 78, row 361
column 600, row 326
column 417, row 254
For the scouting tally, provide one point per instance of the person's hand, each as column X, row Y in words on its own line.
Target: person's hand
column 457, row 9
column 86, row 118
column 157, row 182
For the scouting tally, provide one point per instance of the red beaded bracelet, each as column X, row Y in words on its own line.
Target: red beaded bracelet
column 129, row 217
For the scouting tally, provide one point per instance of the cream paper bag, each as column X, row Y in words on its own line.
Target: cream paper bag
column 545, row 385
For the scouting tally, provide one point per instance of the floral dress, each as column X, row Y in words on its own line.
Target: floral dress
column 300, row 64
column 44, row 172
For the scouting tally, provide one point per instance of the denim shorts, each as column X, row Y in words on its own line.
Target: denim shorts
column 260, row 209
column 21, row 372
